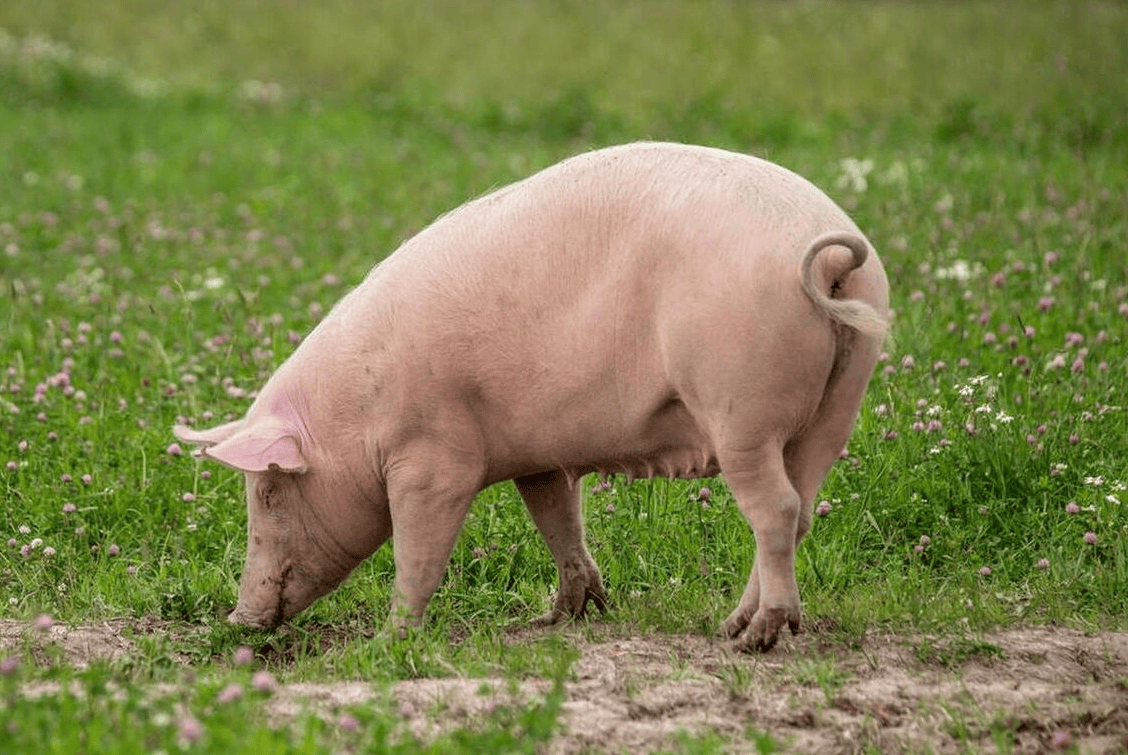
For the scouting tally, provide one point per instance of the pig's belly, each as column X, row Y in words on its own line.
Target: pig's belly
column 665, row 443
column 675, row 462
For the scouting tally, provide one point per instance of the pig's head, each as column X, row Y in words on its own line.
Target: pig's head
column 302, row 539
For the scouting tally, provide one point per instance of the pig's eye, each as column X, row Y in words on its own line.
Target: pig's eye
column 269, row 494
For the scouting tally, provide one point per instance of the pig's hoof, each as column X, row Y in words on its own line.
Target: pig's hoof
column 576, row 608
column 597, row 597
column 763, row 632
column 548, row 619
column 732, row 627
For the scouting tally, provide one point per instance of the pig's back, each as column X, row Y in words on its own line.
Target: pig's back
column 654, row 210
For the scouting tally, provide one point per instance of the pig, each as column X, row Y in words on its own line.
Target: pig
column 649, row 309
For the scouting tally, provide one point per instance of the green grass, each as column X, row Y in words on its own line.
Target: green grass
column 168, row 231
column 89, row 712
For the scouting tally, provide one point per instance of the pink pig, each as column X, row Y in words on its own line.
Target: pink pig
column 650, row 309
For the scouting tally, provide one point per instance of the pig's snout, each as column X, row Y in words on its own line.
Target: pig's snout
column 263, row 600
column 266, row 602
column 245, row 617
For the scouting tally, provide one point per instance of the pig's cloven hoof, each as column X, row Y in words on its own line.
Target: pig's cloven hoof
column 763, row 632
column 736, row 623
column 564, row 609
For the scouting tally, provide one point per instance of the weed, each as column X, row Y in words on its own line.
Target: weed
column 957, row 651
column 825, row 673
column 738, row 677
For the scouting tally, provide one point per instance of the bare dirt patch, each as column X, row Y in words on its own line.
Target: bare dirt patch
column 1023, row 690
column 80, row 645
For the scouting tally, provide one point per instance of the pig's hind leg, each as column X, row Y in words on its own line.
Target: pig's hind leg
column 766, row 497
column 555, row 508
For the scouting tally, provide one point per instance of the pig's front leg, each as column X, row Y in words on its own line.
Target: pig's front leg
column 772, row 507
column 429, row 501
column 555, row 508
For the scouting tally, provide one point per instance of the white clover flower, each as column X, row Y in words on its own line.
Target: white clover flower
column 961, row 271
column 896, row 174
column 854, row 172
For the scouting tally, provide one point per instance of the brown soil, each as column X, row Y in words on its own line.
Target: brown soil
column 1044, row 688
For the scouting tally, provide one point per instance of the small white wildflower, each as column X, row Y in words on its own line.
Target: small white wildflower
column 897, row 174
column 1003, row 417
column 1112, row 499
column 979, row 379
column 961, row 271
column 854, row 172
column 983, row 409
column 1098, row 480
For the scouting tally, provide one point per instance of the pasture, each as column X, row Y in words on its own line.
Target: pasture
column 188, row 188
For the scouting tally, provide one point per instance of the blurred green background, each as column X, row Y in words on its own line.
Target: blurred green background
column 763, row 72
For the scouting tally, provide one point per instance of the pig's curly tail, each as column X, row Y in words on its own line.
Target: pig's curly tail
column 853, row 313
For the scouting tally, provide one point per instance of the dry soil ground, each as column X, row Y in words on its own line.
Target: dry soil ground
column 1045, row 688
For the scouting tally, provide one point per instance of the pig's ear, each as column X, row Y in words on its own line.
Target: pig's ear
column 208, row 437
column 250, row 447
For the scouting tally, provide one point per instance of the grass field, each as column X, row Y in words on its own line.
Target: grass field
column 187, row 188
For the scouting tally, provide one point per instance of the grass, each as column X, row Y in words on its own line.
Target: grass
column 91, row 712
column 170, row 226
